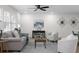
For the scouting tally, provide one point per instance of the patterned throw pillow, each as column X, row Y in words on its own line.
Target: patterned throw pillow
column 15, row 34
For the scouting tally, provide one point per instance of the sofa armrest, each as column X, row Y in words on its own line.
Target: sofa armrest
column 23, row 38
column 23, row 34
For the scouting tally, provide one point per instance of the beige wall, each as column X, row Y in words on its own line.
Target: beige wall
column 50, row 23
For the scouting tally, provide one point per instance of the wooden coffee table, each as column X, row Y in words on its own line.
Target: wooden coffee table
column 39, row 36
column 40, row 40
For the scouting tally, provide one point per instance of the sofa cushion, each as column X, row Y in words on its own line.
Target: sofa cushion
column 70, row 37
column 7, row 34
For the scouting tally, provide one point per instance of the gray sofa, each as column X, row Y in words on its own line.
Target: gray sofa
column 15, row 41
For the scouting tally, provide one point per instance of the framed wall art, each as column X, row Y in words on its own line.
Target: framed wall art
column 39, row 24
column 73, row 21
column 61, row 21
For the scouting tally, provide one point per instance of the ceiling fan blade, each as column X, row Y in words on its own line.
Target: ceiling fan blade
column 42, row 9
column 35, row 9
column 31, row 8
column 45, row 7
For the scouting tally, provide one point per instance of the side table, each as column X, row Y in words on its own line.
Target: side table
column 3, row 45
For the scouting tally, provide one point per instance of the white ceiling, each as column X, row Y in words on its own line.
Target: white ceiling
column 58, row 9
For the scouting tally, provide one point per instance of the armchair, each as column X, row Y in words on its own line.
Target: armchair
column 53, row 37
column 68, row 44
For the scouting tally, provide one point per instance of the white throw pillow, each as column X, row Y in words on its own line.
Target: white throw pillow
column 16, row 34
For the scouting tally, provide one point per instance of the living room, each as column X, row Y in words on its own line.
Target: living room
column 58, row 23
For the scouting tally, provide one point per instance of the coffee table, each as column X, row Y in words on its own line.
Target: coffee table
column 40, row 40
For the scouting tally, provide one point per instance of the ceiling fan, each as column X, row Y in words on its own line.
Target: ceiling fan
column 43, row 8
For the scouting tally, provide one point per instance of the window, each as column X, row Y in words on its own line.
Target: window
column 6, row 16
column 8, row 19
column 1, row 14
column 13, row 22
